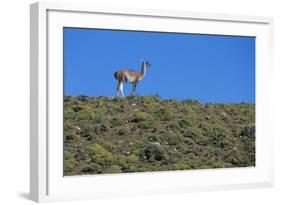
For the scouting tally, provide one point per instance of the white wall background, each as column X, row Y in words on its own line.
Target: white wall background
column 14, row 101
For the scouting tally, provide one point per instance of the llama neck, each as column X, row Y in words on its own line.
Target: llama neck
column 143, row 69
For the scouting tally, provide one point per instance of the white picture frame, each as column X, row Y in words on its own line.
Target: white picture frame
column 47, row 182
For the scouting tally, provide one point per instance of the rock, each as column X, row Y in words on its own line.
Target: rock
column 249, row 131
column 154, row 151
column 77, row 128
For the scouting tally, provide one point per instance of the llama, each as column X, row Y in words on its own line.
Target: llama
column 130, row 76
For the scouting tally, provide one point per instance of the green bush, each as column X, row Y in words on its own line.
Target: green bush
column 69, row 165
column 67, row 155
column 145, row 133
column 147, row 125
column 173, row 125
column 98, row 154
column 150, row 103
column 113, row 169
column 120, row 160
column 191, row 102
column 97, row 118
column 140, row 116
column 100, row 128
column 67, row 125
column 124, row 131
column 71, row 137
column 118, row 120
column 187, row 121
column 164, row 113
column 132, row 158
column 220, row 136
column 182, row 166
column 84, row 115
column 174, row 138
column 194, row 133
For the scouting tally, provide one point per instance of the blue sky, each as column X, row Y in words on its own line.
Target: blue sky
column 209, row 68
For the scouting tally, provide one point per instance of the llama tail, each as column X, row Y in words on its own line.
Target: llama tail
column 116, row 75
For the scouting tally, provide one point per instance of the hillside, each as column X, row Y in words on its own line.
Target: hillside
column 136, row 134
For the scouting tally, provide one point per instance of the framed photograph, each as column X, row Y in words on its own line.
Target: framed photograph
column 129, row 102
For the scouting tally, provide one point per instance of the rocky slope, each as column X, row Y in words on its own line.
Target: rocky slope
column 136, row 134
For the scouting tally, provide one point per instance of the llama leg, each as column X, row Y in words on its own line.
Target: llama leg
column 134, row 88
column 121, row 89
column 118, row 88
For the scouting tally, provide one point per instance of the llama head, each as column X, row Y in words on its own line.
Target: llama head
column 146, row 63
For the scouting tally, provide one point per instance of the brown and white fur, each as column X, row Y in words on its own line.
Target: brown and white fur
column 130, row 76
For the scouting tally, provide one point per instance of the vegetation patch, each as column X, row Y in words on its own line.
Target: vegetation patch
column 146, row 133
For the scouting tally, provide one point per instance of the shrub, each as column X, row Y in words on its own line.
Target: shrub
column 151, row 99
column 67, row 155
column 196, row 135
column 182, row 166
column 140, row 116
column 88, row 131
column 173, row 125
column 108, row 145
column 220, row 135
column 192, row 132
column 147, row 125
column 218, row 165
column 98, row 115
column 71, row 137
column 100, row 128
column 80, row 155
column 98, row 154
column 118, row 120
column 187, row 121
column 113, row 169
column 69, row 165
column 191, row 102
column 84, row 115
column 112, row 135
column 150, row 102
column 119, row 160
column 123, row 130
column 164, row 113
column 67, row 125
column 92, row 169
column 206, row 128
column 132, row 158
column 174, row 138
